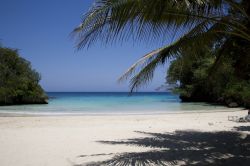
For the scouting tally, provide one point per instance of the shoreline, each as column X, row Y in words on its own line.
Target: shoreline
column 45, row 114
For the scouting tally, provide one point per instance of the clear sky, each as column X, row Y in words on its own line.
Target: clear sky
column 40, row 30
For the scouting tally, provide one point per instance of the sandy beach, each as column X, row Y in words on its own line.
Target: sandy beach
column 108, row 140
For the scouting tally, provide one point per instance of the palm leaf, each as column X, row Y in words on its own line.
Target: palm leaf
column 110, row 20
column 197, row 23
column 148, row 63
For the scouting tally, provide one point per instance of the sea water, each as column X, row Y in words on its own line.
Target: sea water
column 105, row 103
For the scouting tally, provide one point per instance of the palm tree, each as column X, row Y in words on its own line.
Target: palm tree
column 197, row 23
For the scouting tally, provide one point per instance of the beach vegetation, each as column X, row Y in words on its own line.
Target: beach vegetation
column 19, row 83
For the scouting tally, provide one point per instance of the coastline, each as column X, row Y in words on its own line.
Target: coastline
column 125, row 113
column 73, row 140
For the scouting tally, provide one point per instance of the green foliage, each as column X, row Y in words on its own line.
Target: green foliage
column 191, row 72
column 239, row 91
column 19, row 83
column 198, row 81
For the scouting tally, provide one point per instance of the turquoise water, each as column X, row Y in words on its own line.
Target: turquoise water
column 108, row 103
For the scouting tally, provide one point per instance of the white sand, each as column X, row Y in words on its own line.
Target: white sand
column 60, row 140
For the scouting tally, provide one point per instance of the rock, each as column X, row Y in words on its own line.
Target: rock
column 233, row 104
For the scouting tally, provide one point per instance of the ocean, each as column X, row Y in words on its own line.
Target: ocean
column 106, row 103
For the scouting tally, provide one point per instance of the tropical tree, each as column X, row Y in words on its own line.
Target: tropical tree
column 19, row 83
column 217, row 24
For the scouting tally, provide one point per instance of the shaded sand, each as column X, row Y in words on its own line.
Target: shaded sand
column 177, row 139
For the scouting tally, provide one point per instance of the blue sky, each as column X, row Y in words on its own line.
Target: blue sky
column 40, row 30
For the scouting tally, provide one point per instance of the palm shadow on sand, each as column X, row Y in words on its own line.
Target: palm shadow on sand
column 242, row 128
column 184, row 148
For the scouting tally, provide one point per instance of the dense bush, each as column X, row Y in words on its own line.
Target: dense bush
column 199, row 80
column 19, row 83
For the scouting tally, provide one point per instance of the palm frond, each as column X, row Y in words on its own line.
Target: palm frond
column 148, row 63
column 199, row 23
column 110, row 20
